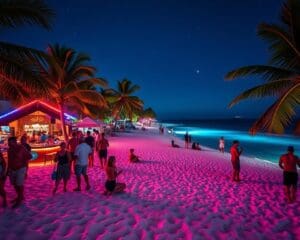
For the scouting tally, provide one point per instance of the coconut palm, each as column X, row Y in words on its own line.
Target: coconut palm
column 17, row 77
column 69, row 79
column 124, row 105
column 281, row 75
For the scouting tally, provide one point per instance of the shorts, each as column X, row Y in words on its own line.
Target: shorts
column 80, row 170
column 17, row 177
column 63, row 172
column 290, row 178
column 236, row 165
column 103, row 153
column 110, row 185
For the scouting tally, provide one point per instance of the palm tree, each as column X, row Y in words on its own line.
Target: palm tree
column 17, row 77
column 148, row 114
column 124, row 105
column 69, row 79
column 282, row 74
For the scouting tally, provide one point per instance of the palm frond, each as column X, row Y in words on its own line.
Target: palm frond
column 280, row 114
column 268, row 73
column 15, row 13
column 284, row 52
column 274, row 88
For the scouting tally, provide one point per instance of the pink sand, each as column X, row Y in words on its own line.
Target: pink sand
column 172, row 194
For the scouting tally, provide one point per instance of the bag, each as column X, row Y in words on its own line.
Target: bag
column 54, row 173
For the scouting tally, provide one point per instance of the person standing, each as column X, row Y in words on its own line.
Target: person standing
column 18, row 158
column 72, row 144
column 186, row 140
column 102, row 146
column 90, row 140
column 235, row 160
column 2, row 179
column 221, row 144
column 63, row 159
column 82, row 152
column 288, row 162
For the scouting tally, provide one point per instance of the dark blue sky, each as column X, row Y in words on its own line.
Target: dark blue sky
column 177, row 51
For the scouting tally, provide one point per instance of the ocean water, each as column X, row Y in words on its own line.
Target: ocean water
column 261, row 146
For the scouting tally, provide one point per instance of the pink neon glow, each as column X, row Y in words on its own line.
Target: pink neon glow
column 174, row 193
column 32, row 103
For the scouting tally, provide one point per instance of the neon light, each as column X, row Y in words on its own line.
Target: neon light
column 35, row 102
column 46, row 149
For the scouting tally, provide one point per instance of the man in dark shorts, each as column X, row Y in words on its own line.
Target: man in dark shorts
column 102, row 146
column 90, row 140
column 18, row 158
column 288, row 162
column 235, row 160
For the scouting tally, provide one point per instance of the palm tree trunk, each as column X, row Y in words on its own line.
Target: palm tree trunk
column 63, row 124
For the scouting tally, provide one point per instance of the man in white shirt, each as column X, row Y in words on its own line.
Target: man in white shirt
column 82, row 152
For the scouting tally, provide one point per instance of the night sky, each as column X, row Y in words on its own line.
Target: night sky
column 177, row 51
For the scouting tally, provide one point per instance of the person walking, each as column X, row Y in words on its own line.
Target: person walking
column 72, row 144
column 63, row 159
column 235, row 152
column 288, row 162
column 101, row 147
column 18, row 158
column 90, row 140
column 82, row 152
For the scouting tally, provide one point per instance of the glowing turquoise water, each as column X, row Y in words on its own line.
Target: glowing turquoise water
column 261, row 146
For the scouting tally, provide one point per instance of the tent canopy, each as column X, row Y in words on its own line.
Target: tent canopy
column 88, row 123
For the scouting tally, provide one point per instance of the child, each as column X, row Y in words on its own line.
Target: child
column 132, row 157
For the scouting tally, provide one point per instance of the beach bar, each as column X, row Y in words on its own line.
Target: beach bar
column 40, row 122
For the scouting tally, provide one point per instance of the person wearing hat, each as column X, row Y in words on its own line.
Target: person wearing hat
column 288, row 162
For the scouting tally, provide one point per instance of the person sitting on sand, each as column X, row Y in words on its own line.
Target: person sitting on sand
column 63, row 159
column 288, row 162
column 196, row 146
column 2, row 179
column 132, row 157
column 174, row 145
column 235, row 160
column 111, row 185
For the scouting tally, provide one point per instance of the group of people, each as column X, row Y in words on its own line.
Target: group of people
column 288, row 162
column 187, row 141
column 76, row 155
column 16, row 168
column 80, row 156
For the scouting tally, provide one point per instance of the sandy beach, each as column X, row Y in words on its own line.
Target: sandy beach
column 172, row 194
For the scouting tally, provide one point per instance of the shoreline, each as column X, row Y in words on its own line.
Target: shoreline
column 254, row 151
